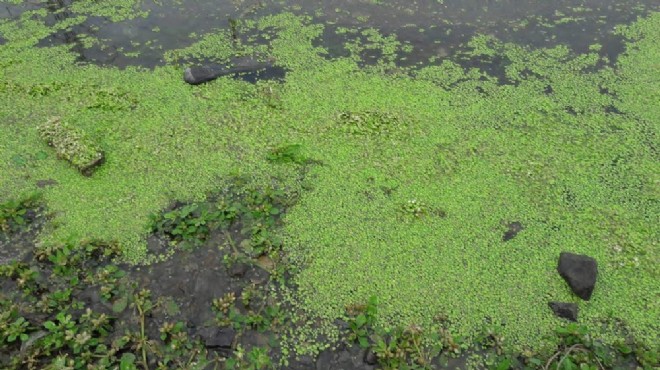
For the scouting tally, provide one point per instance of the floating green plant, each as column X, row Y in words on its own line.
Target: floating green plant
column 556, row 140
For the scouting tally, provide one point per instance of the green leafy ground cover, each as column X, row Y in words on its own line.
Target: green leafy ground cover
column 409, row 205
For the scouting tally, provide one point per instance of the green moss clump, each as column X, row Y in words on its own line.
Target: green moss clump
column 72, row 146
column 369, row 122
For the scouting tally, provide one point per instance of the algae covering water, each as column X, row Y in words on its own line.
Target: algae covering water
column 417, row 158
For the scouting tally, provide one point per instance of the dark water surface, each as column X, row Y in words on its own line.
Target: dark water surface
column 435, row 29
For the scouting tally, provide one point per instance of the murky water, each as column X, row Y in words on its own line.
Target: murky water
column 434, row 28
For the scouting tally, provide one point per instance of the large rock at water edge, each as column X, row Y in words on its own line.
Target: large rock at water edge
column 580, row 272
column 200, row 74
column 565, row 310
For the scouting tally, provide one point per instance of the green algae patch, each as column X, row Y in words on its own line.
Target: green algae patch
column 414, row 179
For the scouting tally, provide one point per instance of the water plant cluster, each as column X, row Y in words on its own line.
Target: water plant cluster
column 258, row 212
column 416, row 348
column 74, row 305
column 14, row 212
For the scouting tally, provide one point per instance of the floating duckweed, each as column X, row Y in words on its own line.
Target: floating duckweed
column 555, row 141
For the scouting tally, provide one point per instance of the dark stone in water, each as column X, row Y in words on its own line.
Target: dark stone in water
column 580, row 272
column 514, row 229
column 199, row 75
column 220, row 338
column 565, row 310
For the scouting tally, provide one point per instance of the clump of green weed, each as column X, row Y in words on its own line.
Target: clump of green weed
column 406, row 348
column 414, row 208
column 262, row 210
column 71, row 145
column 13, row 213
column 361, row 325
column 190, row 223
column 45, row 325
column 69, row 258
column 291, row 153
column 222, row 305
column 13, row 327
column 112, row 100
column 578, row 349
column 492, row 337
column 257, row 209
column 257, row 313
column 369, row 122
column 255, row 359
column 400, row 347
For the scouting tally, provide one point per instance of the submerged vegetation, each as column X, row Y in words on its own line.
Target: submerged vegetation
column 398, row 184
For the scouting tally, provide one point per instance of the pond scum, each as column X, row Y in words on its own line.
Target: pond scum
column 411, row 177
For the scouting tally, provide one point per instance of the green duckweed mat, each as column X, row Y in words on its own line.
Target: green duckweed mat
column 413, row 179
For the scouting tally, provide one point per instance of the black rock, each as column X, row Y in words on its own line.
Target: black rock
column 565, row 310
column 370, row 357
column 222, row 338
column 580, row 272
column 514, row 229
column 200, row 74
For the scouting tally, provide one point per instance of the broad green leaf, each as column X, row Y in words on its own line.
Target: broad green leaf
column 127, row 362
column 360, row 320
column 120, row 304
